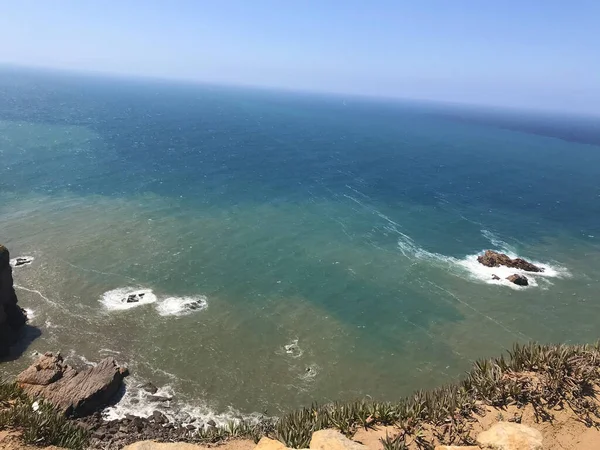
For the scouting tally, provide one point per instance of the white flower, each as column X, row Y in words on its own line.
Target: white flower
column 35, row 406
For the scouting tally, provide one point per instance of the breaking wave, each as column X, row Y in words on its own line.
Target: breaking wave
column 116, row 299
column 468, row 266
column 181, row 306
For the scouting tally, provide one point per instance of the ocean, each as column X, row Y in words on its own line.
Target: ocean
column 291, row 248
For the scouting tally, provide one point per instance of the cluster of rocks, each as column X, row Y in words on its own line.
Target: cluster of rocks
column 116, row 434
column 12, row 317
column 501, row 436
column 495, row 259
column 134, row 297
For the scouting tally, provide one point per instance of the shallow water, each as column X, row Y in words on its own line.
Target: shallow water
column 329, row 243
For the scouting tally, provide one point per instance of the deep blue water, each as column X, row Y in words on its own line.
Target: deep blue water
column 346, row 223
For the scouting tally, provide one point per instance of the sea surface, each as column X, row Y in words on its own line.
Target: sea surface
column 327, row 244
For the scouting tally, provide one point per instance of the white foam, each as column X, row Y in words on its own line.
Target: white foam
column 293, row 349
column 28, row 261
column 310, row 373
column 479, row 272
column 181, row 306
column 471, row 268
column 138, row 402
column 114, row 300
column 30, row 313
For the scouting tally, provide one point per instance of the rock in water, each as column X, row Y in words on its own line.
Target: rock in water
column 149, row 387
column 12, row 318
column 494, row 259
column 520, row 280
column 510, row 436
column 74, row 393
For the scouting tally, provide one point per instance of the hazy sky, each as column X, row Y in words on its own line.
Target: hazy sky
column 531, row 53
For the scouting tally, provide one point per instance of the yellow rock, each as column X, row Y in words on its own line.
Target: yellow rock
column 269, row 444
column 151, row 445
column 456, row 447
column 333, row 440
column 510, row 436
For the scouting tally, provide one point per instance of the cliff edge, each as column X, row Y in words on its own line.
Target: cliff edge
column 12, row 318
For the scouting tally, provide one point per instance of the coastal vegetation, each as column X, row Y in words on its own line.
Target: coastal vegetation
column 38, row 422
column 544, row 376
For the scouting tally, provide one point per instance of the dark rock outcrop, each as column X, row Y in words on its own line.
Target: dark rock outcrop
column 520, row 280
column 75, row 393
column 12, row 318
column 495, row 259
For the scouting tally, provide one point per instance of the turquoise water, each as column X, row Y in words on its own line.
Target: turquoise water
column 328, row 242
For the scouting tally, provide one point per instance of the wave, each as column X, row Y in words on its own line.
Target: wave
column 116, row 299
column 137, row 402
column 181, row 306
column 468, row 266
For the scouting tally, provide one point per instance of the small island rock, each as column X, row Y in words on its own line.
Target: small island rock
column 519, row 280
column 495, row 259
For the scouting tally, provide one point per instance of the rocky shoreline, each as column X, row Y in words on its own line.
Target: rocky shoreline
column 12, row 317
column 541, row 378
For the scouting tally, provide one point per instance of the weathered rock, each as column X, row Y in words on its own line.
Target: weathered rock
column 510, row 436
column 159, row 417
column 495, row 259
column 520, row 280
column 456, row 447
column 269, row 444
column 12, row 318
column 149, row 387
column 151, row 445
column 333, row 440
column 75, row 393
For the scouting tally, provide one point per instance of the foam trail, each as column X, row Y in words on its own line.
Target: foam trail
column 95, row 271
column 497, row 242
column 472, row 308
column 33, row 291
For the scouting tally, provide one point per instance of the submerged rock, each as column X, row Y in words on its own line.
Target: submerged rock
column 75, row 393
column 149, row 387
column 12, row 318
column 520, row 280
column 22, row 261
column 495, row 259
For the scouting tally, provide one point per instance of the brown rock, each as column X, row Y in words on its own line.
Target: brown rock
column 510, row 436
column 151, row 445
column 75, row 393
column 495, row 259
column 269, row 444
column 520, row 280
column 333, row 440
column 12, row 318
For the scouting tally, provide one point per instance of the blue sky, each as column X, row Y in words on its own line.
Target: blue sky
column 541, row 54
